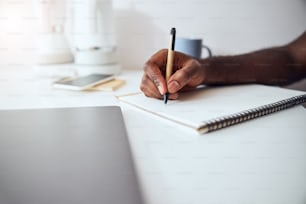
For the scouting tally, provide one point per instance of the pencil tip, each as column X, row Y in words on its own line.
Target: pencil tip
column 166, row 98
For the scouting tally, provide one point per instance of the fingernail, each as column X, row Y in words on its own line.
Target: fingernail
column 160, row 89
column 174, row 96
column 173, row 86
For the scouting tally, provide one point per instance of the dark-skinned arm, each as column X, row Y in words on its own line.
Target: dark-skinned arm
column 273, row 66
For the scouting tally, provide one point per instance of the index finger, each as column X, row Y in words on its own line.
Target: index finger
column 155, row 74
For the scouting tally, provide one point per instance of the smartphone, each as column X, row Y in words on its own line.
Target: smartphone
column 83, row 82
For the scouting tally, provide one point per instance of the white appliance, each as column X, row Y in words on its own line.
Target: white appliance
column 52, row 46
column 93, row 36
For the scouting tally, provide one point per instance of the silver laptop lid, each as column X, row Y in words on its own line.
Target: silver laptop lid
column 66, row 156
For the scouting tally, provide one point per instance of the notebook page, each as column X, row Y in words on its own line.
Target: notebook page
column 194, row 108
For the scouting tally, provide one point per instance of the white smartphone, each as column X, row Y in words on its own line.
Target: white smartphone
column 83, row 82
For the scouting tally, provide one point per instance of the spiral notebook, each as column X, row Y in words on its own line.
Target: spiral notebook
column 211, row 108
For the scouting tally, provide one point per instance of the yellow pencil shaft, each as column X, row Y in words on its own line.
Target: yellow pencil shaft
column 170, row 60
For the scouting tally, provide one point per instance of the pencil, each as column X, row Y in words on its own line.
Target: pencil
column 170, row 59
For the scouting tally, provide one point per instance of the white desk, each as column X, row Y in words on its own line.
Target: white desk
column 261, row 161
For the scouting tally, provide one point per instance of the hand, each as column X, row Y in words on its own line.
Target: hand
column 187, row 73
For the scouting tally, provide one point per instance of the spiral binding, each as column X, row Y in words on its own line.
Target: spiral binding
column 232, row 119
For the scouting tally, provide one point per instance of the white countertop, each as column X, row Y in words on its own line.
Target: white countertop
column 260, row 161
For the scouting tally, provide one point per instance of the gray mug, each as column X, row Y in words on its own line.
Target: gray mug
column 191, row 47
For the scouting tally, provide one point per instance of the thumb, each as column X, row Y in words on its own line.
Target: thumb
column 188, row 74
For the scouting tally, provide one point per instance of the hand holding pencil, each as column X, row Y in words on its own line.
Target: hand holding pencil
column 167, row 72
column 224, row 70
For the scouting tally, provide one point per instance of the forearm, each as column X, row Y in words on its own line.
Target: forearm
column 273, row 66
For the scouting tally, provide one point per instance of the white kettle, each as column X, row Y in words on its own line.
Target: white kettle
column 93, row 32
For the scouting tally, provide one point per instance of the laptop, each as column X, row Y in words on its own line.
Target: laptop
column 66, row 156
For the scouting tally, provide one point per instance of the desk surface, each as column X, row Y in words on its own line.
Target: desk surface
column 260, row 161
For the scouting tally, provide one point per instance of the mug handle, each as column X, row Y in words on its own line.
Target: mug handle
column 208, row 50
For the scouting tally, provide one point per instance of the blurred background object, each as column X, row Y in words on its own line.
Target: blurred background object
column 93, row 29
column 52, row 47
column 142, row 26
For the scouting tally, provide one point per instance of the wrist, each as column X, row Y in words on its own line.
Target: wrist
column 206, row 65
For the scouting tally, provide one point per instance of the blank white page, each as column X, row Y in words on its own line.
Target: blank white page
column 194, row 108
